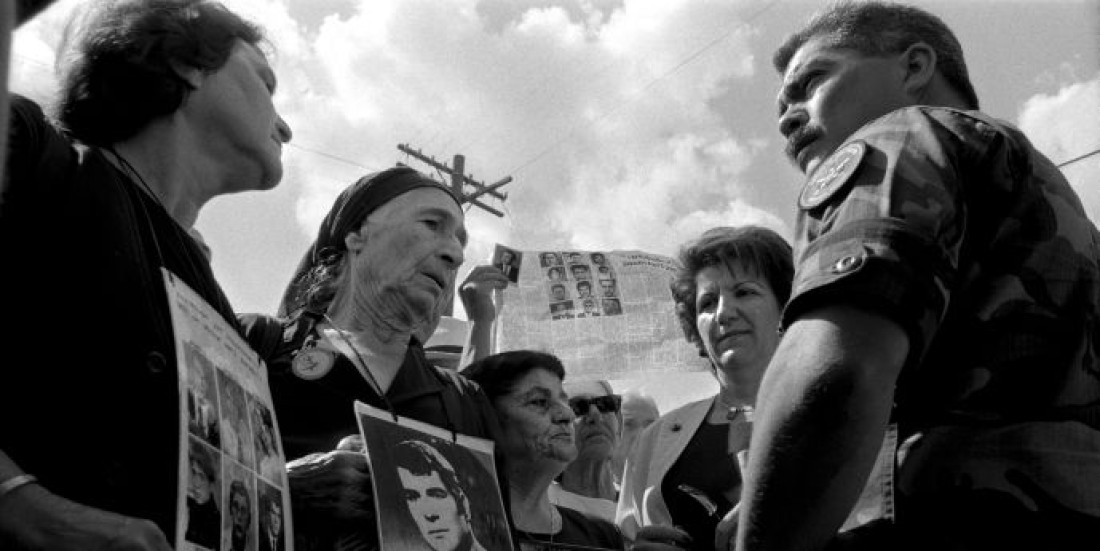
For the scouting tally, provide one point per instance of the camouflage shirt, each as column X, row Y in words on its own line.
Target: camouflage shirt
column 954, row 226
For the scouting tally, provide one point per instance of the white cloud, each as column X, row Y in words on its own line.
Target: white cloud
column 1064, row 126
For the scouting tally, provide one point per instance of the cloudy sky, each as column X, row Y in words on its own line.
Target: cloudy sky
column 625, row 124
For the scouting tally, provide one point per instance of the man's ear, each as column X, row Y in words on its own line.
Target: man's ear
column 189, row 74
column 919, row 63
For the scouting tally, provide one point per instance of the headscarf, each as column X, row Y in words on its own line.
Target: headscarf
column 347, row 214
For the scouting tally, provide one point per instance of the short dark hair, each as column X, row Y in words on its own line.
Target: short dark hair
column 585, row 283
column 421, row 459
column 497, row 374
column 752, row 247
column 120, row 69
column 875, row 28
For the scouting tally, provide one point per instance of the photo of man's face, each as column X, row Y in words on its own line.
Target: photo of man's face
column 608, row 288
column 434, row 509
column 274, row 517
column 579, row 271
column 558, row 292
column 506, row 257
column 590, row 306
column 584, row 289
column 240, row 515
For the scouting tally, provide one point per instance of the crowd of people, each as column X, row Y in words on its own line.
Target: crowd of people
column 939, row 308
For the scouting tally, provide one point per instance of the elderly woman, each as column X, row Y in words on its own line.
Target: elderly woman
column 537, row 442
column 685, row 469
column 588, row 483
column 366, row 295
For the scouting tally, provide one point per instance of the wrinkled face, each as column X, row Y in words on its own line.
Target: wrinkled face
column 234, row 114
column 434, row 509
column 597, row 431
column 537, row 421
column 737, row 316
column 405, row 256
column 199, row 485
column 829, row 93
column 637, row 415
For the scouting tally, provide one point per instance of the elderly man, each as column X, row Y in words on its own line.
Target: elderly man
column 436, row 500
column 588, row 483
column 946, row 280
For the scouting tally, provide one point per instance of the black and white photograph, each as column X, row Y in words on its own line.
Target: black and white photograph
column 272, row 522
column 508, row 260
column 202, row 395
column 548, row 259
column 558, row 292
column 236, row 437
column 434, row 490
column 612, row 307
column 239, row 513
column 203, row 495
column 269, row 462
column 561, row 310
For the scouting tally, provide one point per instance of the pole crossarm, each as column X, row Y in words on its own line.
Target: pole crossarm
column 482, row 188
column 459, row 179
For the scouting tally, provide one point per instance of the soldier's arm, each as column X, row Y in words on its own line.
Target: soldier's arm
column 822, row 409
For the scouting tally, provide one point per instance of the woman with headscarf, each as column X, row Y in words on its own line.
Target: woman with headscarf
column 367, row 294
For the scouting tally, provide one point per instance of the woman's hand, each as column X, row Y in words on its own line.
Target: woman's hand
column 726, row 530
column 659, row 537
column 34, row 518
column 333, row 485
column 476, row 292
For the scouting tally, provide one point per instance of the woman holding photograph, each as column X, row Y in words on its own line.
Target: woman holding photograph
column 367, row 294
column 538, row 443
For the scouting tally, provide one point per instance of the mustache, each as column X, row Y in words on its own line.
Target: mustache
column 798, row 139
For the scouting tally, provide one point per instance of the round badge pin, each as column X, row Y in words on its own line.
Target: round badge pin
column 313, row 363
column 831, row 176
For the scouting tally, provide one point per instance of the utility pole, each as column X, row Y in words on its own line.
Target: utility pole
column 459, row 181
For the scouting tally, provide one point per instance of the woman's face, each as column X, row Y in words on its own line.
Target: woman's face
column 737, row 315
column 537, row 421
column 405, row 256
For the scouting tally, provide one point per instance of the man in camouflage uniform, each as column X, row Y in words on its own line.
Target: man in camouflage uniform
column 948, row 281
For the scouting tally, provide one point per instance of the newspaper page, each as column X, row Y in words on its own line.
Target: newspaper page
column 433, row 489
column 606, row 314
column 232, row 477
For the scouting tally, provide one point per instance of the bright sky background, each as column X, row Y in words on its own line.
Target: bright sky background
column 625, row 124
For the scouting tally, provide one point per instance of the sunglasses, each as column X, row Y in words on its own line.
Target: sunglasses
column 605, row 404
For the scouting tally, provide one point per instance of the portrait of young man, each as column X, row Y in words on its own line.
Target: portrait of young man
column 436, row 501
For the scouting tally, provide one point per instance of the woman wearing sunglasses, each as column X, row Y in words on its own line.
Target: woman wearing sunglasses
column 684, row 473
column 588, row 483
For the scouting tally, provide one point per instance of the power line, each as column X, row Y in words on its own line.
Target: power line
column 1078, row 158
column 690, row 57
column 330, row 156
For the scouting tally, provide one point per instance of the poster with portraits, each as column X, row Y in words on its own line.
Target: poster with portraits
column 434, row 490
column 606, row 314
column 232, row 490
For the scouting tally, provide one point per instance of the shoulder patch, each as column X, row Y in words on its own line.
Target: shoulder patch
column 831, row 176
